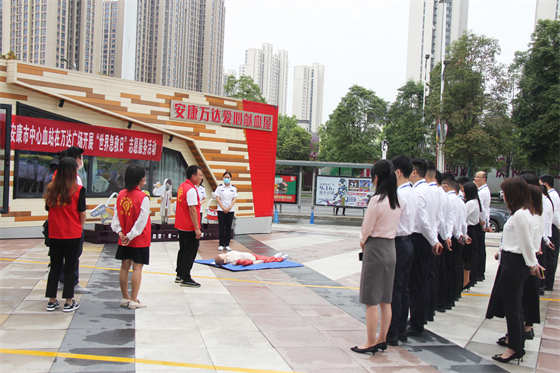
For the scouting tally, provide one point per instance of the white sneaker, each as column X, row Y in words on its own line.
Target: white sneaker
column 228, row 248
column 125, row 302
column 285, row 257
column 221, row 248
column 133, row 305
column 80, row 290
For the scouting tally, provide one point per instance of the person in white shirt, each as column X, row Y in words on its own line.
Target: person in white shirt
column 425, row 243
column 405, row 252
column 459, row 238
column 226, row 194
column 470, row 252
column 445, row 259
column 440, row 209
column 552, row 254
column 546, row 244
column 517, row 262
column 480, row 180
column 202, row 196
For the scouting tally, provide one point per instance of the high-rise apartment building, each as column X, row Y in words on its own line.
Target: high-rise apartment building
column 425, row 33
column 547, row 9
column 53, row 33
column 270, row 72
column 308, row 95
column 177, row 43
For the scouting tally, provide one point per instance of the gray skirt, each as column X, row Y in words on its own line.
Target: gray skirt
column 378, row 271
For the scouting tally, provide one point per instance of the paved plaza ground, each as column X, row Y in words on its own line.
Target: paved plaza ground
column 283, row 320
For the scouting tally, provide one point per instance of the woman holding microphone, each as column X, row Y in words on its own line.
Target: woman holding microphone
column 517, row 262
column 379, row 256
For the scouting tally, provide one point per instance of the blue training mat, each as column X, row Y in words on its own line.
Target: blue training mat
column 252, row 267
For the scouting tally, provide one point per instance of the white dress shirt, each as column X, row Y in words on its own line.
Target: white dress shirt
column 538, row 230
column 485, row 199
column 473, row 212
column 517, row 237
column 424, row 223
column 201, row 192
column 226, row 194
column 451, row 222
column 555, row 198
column 548, row 213
column 438, row 217
column 140, row 223
column 408, row 213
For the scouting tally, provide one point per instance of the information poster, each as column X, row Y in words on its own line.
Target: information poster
column 343, row 191
column 285, row 189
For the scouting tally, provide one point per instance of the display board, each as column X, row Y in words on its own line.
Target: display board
column 343, row 191
column 285, row 188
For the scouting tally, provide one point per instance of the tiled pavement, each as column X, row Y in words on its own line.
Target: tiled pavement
column 298, row 319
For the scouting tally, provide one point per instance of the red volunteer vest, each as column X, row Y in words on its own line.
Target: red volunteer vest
column 128, row 209
column 183, row 219
column 64, row 221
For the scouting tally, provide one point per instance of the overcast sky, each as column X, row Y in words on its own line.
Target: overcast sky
column 358, row 42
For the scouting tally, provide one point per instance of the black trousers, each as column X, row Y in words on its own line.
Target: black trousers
column 62, row 251
column 401, row 295
column 475, row 254
column 446, row 279
column 188, row 247
column 433, row 274
column 481, row 253
column 458, row 268
column 224, row 225
column 552, row 259
column 61, row 278
column 418, row 283
column 508, row 293
column 542, row 261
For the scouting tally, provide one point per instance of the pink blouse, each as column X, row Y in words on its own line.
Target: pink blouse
column 380, row 220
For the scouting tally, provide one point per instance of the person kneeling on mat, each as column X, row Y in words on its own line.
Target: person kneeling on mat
column 245, row 259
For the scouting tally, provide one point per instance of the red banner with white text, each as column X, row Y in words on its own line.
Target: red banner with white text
column 45, row 135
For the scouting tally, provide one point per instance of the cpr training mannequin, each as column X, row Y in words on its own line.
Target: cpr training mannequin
column 245, row 259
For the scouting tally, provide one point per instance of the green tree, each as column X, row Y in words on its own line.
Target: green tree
column 405, row 131
column 293, row 141
column 473, row 82
column 244, row 88
column 352, row 132
column 537, row 105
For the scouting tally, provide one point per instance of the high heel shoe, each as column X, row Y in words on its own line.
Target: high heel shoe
column 373, row 350
column 503, row 341
column 381, row 346
column 517, row 355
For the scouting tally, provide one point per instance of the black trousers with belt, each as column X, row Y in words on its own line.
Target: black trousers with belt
column 401, row 295
column 418, row 281
column 552, row 259
column 457, row 268
column 506, row 298
column 446, row 277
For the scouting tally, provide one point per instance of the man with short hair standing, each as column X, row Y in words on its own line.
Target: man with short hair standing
column 552, row 254
column 187, row 221
column 484, row 195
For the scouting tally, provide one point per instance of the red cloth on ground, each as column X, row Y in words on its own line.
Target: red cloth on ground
column 265, row 259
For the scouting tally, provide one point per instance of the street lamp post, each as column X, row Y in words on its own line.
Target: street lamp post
column 440, row 156
column 68, row 64
column 426, row 58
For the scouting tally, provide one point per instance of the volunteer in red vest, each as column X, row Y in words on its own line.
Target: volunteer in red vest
column 132, row 222
column 78, row 154
column 187, row 221
column 65, row 201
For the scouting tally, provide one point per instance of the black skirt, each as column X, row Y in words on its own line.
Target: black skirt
column 137, row 254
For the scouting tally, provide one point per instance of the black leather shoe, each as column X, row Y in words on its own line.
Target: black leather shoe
column 517, row 355
column 547, row 288
column 530, row 334
column 449, row 306
column 541, row 291
column 393, row 341
column 410, row 331
column 373, row 350
column 503, row 341
column 381, row 346
column 440, row 309
column 403, row 336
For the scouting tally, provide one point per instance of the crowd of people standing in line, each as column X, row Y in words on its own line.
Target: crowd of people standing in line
column 423, row 243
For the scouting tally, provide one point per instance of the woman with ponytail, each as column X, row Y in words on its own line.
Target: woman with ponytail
column 379, row 256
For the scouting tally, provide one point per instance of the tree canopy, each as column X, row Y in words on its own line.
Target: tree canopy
column 244, row 88
column 352, row 132
column 537, row 105
column 293, row 141
column 405, row 131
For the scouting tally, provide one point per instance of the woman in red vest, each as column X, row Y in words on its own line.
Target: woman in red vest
column 132, row 222
column 65, row 201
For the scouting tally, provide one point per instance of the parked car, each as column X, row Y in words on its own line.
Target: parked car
column 497, row 219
